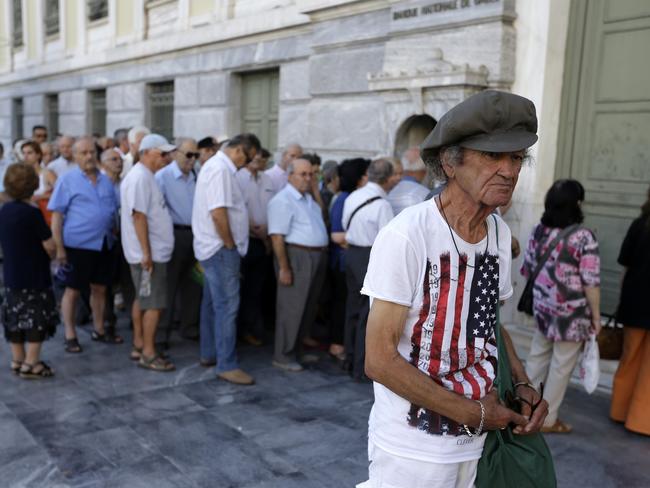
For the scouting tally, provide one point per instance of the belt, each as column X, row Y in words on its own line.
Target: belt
column 352, row 246
column 307, row 248
column 182, row 227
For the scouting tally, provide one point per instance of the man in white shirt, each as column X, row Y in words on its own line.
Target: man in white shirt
column 257, row 189
column 410, row 190
column 278, row 173
column 148, row 241
column 134, row 137
column 436, row 276
column 299, row 239
column 365, row 212
column 65, row 161
column 121, row 138
column 220, row 226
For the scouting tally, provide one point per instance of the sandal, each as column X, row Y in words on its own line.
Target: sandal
column 558, row 427
column 73, row 346
column 28, row 372
column 136, row 353
column 107, row 337
column 156, row 363
column 15, row 366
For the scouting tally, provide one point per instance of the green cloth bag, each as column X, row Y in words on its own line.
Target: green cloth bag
column 510, row 460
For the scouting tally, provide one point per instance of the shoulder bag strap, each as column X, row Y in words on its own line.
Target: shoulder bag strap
column 367, row 202
column 542, row 260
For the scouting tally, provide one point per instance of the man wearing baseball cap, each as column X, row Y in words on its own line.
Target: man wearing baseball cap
column 148, row 242
column 436, row 275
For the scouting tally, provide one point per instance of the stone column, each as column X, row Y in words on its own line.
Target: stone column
column 125, row 106
column 73, row 117
column 201, row 105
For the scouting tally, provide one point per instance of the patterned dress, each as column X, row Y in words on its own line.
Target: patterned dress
column 559, row 302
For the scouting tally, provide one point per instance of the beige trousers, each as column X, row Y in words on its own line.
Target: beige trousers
column 552, row 363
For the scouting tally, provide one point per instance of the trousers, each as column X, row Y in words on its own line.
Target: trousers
column 357, row 307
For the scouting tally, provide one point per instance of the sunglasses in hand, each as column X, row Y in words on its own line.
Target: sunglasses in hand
column 515, row 402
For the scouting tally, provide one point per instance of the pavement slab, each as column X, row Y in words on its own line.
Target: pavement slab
column 104, row 422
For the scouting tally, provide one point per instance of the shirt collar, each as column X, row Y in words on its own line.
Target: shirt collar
column 376, row 188
column 176, row 170
column 294, row 193
column 409, row 178
column 224, row 157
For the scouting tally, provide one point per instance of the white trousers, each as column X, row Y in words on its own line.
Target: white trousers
column 389, row 471
column 552, row 363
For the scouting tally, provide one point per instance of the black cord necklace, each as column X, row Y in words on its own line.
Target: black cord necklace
column 451, row 232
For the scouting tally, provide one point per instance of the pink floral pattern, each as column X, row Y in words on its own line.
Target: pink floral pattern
column 559, row 302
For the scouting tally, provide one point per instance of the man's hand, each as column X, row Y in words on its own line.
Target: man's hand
column 498, row 416
column 535, row 421
column 147, row 262
column 285, row 277
column 61, row 256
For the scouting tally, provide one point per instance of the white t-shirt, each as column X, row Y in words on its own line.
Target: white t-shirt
column 370, row 219
column 217, row 187
column 449, row 331
column 140, row 192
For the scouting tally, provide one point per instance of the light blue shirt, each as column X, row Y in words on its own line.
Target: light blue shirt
column 178, row 191
column 88, row 209
column 4, row 164
column 297, row 217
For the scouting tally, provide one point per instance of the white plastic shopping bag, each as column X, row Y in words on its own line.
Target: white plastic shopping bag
column 590, row 364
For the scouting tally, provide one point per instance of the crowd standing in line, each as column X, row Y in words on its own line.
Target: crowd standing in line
column 197, row 232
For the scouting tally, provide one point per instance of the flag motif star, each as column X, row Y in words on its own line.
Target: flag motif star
column 483, row 299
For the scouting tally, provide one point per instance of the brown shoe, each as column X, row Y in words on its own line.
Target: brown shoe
column 237, row 376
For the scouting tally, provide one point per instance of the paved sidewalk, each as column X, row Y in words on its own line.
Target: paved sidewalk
column 105, row 422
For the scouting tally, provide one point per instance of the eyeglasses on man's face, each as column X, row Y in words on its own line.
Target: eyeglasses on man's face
column 192, row 155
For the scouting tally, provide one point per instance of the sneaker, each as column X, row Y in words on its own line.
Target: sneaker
column 237, row 376
column 291, row 366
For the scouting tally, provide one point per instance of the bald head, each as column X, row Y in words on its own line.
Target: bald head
column 84, row 154
column 64, row 144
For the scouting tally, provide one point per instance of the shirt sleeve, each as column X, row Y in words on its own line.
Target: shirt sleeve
column 394, row 269
column 384, row 215
column 220, row 192
column 138, row 197
column 505, row 259
column 589, row 260
column 43, row 232
column 336, row 215
column 60, row 199
column 279, row 216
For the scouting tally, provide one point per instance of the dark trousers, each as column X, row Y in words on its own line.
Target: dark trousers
column 180, row 282
column 357, row 307
column 296, row 304
column 339, row 292
column 253, row 267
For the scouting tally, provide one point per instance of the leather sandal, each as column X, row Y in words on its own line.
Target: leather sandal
column 15, row 366
column 29, row 372
column 73, row 346
column 558, row 427
column 156, row 363
column 107, row 337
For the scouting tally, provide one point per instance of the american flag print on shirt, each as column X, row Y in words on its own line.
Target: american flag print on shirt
column 453, row 340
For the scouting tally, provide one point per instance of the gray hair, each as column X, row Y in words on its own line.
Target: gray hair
column 451, row 155
column 330, row 170
column 105, row 154
column 134, row 131
column 291, row 167
column 412, row 164
column 380, row 170
column 179, row 141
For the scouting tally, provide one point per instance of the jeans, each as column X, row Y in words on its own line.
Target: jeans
column 219, row 309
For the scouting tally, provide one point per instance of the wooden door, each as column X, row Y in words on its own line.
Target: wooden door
column 605, row 124
column 260, row 94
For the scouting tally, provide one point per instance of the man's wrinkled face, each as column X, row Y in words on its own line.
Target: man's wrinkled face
column 113, row 162
column 186, row 155
column 257, row 164
column 39, row 135
column 302, row 175
column 488, row 178
column 85, row 155
column 47, row 153
column 65, row 147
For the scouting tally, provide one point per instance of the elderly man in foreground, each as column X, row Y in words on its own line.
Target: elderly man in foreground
column 436, row 275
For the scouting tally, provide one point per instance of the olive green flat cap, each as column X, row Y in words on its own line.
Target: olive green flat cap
column 491, row 120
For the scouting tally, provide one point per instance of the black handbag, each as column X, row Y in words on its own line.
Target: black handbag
column 525, row 304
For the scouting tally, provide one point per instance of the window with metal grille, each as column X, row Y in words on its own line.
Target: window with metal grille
column 51, row 17
column 18, row 118
column 98, row 112
column 52, row 106
column 18, row 23
column 97, row 9
column 161, row 108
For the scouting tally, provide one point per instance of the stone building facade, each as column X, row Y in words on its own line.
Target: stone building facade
column 350, row 78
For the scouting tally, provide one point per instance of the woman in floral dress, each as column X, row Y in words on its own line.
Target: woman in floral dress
column 28, row 311
column 566, row 295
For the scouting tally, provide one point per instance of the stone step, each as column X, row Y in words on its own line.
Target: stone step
column 522, row 336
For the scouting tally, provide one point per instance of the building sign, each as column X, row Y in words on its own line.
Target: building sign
column 414, row 14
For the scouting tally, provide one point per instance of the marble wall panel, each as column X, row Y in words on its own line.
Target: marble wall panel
column 294, row 81
column 33, row 104
column 212, row 90
column 72, row 102
column 344, row 71
column 199, row 123
column 72, row 124
column 186, row 90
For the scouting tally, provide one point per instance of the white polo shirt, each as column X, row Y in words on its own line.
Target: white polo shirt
column 217, row 187
column 140, row 192
column 278, row 176
column 257, row 192
column 370, row 219
column 61, row 166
